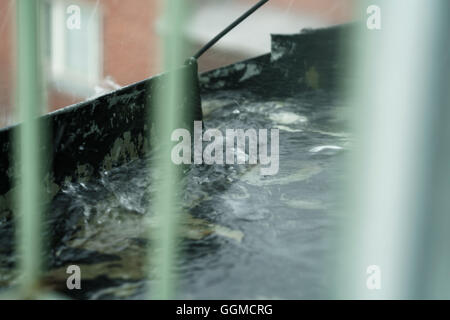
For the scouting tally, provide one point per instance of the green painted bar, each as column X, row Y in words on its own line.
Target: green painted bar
column 164, row 205
column 27, row 141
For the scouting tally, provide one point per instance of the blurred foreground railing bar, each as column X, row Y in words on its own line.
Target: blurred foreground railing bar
column 162, row 253
column 27, row 155
column 395, row 244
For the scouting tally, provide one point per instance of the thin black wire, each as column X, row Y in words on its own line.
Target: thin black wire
column 229, row 28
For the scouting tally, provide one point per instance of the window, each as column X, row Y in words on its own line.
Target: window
column 74, row 55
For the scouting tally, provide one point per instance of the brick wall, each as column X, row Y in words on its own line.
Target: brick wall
column 7, row 10
column 130, row 44
column 130, row 41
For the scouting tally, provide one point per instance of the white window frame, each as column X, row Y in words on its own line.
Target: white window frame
column 61, row 76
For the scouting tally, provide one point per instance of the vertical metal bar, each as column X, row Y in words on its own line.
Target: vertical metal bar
column 164, row 203
column 432, row 262
column 27, row 142
column 394, row 104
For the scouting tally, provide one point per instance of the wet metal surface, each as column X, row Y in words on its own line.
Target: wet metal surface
column 244, row 235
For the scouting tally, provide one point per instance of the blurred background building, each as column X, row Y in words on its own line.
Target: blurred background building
column 118, row 41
